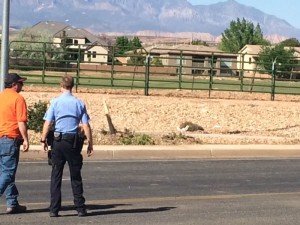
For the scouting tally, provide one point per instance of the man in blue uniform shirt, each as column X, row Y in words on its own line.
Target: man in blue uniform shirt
column 67, row 112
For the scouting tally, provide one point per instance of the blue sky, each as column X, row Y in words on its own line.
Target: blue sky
column 288, row 10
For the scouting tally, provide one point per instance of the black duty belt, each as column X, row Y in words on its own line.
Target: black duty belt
column 58, row 136
column 64, row 136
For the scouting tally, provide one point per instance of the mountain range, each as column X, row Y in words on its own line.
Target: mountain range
column 129, row 16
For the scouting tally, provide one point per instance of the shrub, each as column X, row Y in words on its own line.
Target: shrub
column 142, row 139
column 180, row 138
column 130, row 138
column 35, row 116
column 174, row 136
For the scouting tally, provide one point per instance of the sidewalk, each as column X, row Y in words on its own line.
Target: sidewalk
column 115, row 152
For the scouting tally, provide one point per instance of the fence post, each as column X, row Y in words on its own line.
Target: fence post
column 242, row 73
column 211, row 73
column 147, row 74
column 112, row 67
column 180, row 70
column 273, row 79
column 78, row 66
column 44, row 62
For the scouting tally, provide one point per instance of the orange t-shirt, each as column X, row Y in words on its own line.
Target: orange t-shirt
column 13, row 109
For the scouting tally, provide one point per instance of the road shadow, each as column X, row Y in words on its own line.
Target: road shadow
column 71, row 207
column 95, row 210
column 99, row 212
column 130, row 211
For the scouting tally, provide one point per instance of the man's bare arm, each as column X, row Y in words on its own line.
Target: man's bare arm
column 24, row 133
column 88, row 133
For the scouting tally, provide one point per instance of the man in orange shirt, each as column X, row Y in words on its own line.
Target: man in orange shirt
column 13, row 133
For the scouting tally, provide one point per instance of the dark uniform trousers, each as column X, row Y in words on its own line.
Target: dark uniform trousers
column 64, row 150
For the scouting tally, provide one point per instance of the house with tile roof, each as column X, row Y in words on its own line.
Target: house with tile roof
column 196, row 59
column 85, row 45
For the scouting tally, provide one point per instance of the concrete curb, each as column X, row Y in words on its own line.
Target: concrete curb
column 110, row 152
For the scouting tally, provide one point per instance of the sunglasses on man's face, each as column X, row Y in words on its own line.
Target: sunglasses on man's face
column 21, row 82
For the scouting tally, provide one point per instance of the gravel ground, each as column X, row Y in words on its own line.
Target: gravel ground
column 226, row 118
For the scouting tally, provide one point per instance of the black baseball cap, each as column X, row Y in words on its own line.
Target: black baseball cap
column 13, row 78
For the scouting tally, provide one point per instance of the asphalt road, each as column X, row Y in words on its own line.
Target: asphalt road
column 162, row 192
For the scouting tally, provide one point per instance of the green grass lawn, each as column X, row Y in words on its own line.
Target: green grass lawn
column 165, row 81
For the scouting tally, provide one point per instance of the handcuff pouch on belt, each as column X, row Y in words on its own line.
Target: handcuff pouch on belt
column 57, row 136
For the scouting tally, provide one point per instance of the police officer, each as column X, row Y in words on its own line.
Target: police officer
column 67, row 111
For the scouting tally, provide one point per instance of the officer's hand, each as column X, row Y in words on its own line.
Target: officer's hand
column 25, row 146
column 45, row 147
column 90, row 150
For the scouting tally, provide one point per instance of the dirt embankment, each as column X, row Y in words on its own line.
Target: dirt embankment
column 227, row 118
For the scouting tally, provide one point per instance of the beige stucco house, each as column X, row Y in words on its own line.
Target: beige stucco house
column 196, row 59
column 96, row 53
column 246, row 60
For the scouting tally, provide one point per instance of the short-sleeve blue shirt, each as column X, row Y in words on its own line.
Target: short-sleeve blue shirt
column 67, row 111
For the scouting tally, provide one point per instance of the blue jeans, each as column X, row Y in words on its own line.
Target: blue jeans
column 9, row 159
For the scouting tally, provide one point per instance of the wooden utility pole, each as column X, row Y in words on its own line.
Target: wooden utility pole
column 112, row 129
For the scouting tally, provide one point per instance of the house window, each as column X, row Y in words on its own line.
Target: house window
column 225, row 63
column 182, row 60
column 196, row 71
column 250, row 60
column 89, row 53
column 198, row 59
column 212, row 60
column 75, row 42
column 68, row 41
column 94, row 54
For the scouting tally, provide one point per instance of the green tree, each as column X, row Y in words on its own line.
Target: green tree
column 30, row 45
column 135, row 43
column 123, row 44
column 291, row 42
column 283, row 59
column 35, row 46
column 258, row 37
column 136, row 59
column 239, row 34
column 64, row 52
column 156, row 62
column 199, row 42
column 39, row 48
